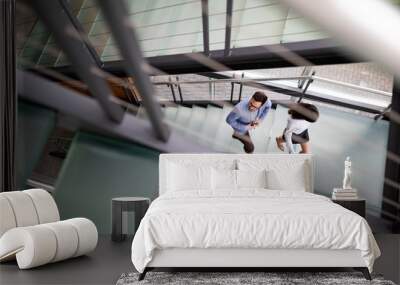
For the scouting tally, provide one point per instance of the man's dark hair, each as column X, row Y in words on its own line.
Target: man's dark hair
column 260, row 97
column 304, row 111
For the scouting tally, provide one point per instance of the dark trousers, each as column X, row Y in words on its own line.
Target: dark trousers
column 245, row 139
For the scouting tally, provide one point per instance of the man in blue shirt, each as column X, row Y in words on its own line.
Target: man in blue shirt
column 247, row 115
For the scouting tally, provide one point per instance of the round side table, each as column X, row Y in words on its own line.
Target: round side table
column 139, row 205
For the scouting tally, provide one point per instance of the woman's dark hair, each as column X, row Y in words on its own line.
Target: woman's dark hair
column 304, row 111
column 260, row 97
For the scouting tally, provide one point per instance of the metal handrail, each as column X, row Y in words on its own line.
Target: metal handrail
column 247, row 80
column 309, row 81
column 244, row 80
column 352, row 86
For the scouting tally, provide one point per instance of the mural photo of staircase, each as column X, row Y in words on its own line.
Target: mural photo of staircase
column 207, row 125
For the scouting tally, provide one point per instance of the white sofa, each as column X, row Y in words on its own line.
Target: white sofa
column 31, row 231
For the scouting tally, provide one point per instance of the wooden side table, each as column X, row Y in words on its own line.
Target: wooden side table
column 356, row 205
column 139, row 205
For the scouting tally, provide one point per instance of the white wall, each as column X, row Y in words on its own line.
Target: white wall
column 338, row 134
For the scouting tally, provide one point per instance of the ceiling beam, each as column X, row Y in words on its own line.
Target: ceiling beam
column 317, row 52
column 228, row 27
column 206, row 29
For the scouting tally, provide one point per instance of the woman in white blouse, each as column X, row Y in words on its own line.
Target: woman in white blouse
column 296, row 131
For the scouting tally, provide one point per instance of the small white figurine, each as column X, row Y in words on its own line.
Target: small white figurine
column 347, row 174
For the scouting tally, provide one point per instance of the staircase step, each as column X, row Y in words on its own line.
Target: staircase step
column 183, row 115
column 170, row 113
column 182, row 118
column 141, row 113
column 213, row 118
column 224, row 133
column 197, row 118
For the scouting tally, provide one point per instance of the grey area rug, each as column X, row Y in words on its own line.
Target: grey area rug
column 233, row 278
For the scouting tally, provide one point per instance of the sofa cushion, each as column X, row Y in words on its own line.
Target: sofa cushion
column 45, row 205
column 7, row 220
column 40, row 244
column 23, row 208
